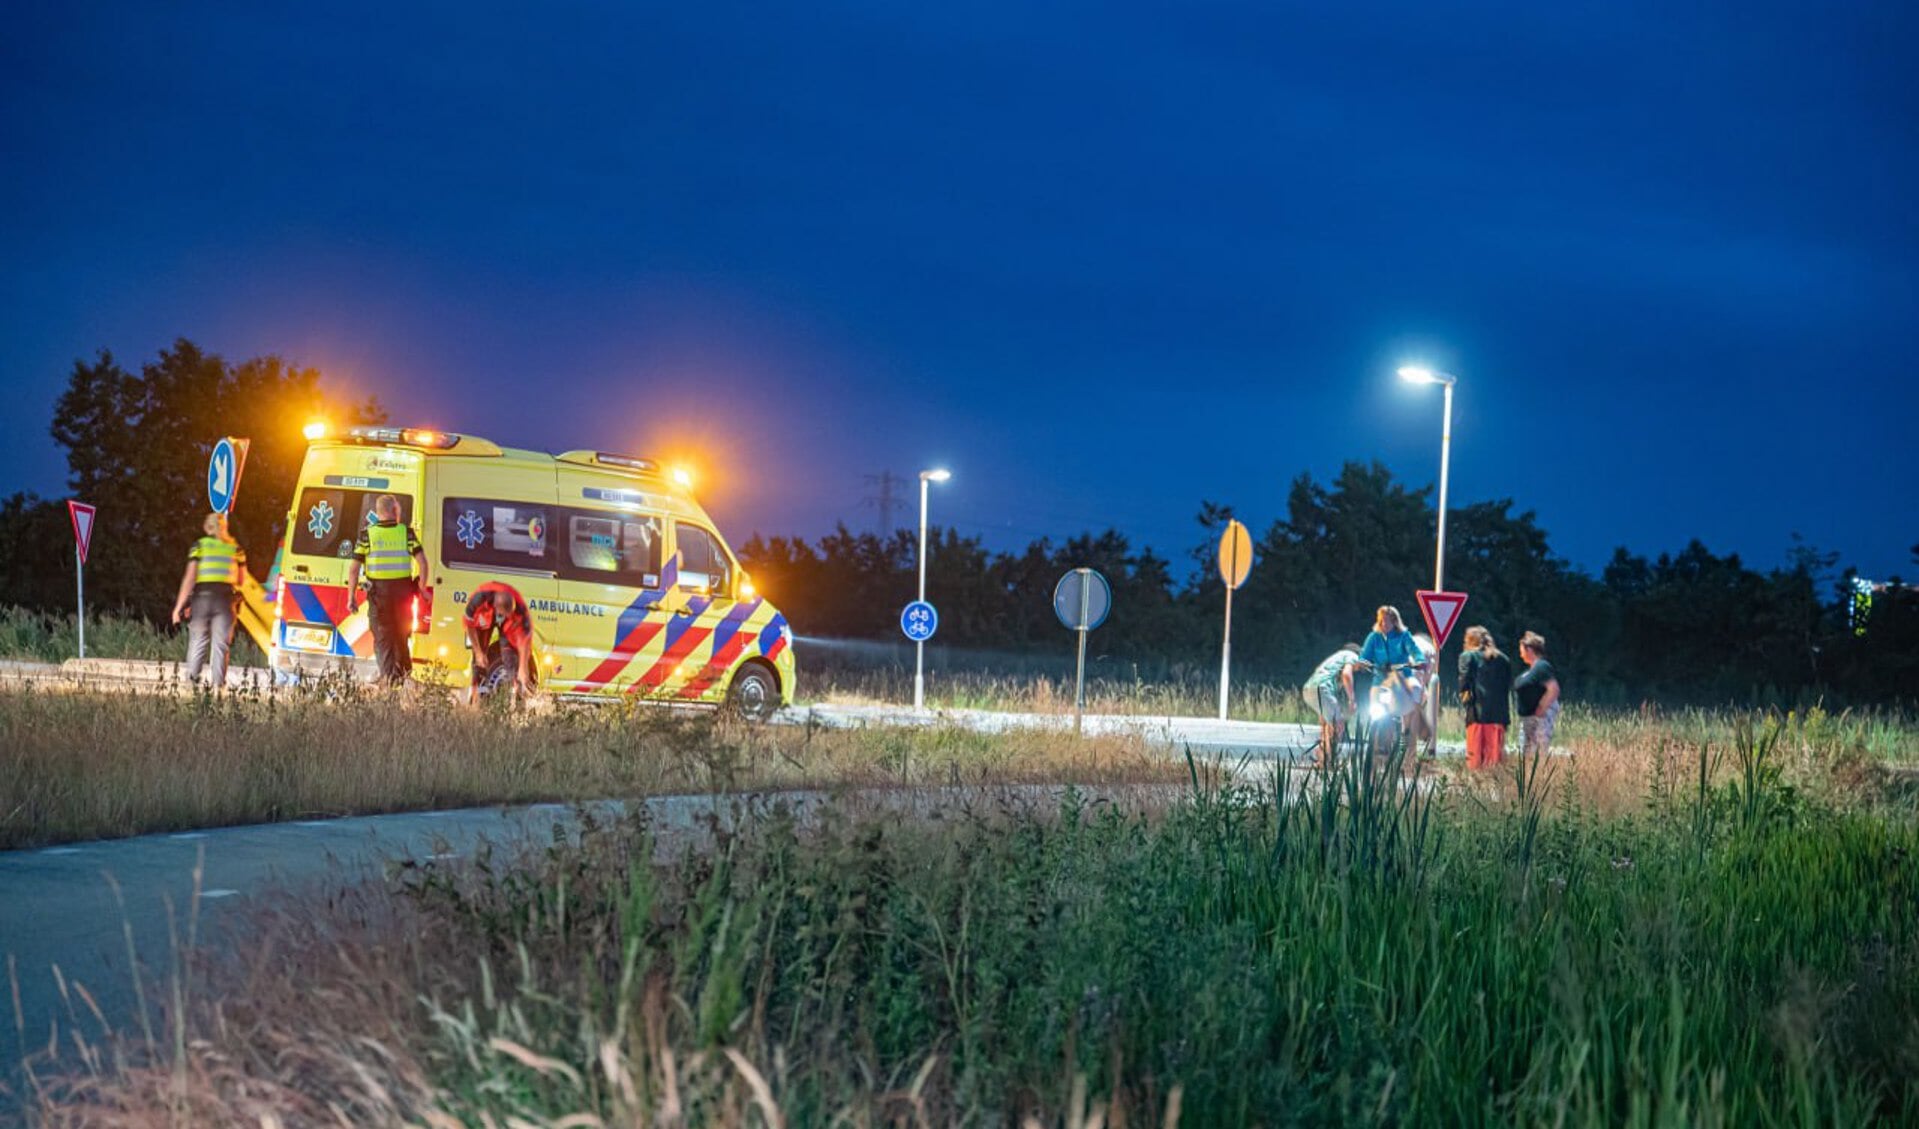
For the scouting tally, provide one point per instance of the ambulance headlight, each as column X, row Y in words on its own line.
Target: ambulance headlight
column 314, row 431
column 683, row 476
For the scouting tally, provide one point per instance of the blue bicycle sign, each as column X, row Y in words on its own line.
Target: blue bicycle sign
column 919, row 620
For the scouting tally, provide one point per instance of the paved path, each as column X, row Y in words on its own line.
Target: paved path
column 1206, row 737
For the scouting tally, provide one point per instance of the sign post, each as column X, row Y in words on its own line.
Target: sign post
column 918, row 621
column 1082, row 600
column 1235, row 561
column 1441, row 611
column 82, row 517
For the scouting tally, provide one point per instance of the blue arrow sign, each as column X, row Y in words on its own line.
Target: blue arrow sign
column 223, row 472
column 919, row 620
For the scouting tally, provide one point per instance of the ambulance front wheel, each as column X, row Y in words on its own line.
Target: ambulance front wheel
column 754, row 694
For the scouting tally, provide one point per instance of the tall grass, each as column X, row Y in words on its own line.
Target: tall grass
column 36, row 637
column 1322, row 951
column 81, row 765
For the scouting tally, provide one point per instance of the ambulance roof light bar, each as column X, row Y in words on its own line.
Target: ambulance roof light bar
column 409, row 436
column 628, row 461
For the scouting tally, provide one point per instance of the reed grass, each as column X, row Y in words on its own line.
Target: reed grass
column 1329, row 949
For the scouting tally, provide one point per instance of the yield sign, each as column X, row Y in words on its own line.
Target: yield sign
column 1441, row 610
column 82, row 515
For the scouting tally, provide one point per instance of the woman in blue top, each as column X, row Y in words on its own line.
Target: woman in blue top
column 1390, row 645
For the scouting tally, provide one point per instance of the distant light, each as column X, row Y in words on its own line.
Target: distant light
column 940, row 475
column 683, row 476
column 314, row 431
column 1417, row 374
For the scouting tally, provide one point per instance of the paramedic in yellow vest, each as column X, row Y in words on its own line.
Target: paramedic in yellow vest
column 206, row 599
column 388, row 552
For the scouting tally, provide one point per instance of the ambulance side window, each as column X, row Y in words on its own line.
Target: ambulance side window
column 703, row 564
column 613, row 548
column 485, row 533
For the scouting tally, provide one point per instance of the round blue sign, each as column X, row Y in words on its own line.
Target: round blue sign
column 1081, row 599
column 223, row 471
column 919, row 620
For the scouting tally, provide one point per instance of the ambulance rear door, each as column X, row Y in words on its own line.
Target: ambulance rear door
column 333, row 502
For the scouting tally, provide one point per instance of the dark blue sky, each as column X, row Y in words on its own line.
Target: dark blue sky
column 1104, row 260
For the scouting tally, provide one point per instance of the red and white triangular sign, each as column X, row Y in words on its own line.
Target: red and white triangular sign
column 1441, row 610
column 82, row 515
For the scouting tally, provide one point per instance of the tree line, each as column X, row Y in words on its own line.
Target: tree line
column 1684, row 626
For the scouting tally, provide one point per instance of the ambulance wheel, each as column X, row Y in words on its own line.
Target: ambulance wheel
column 754, row 694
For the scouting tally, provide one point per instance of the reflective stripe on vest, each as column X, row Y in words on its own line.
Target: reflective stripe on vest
column 386, row 555
column 215, row 561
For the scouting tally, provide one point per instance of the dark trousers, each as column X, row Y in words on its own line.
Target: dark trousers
column 390, row 615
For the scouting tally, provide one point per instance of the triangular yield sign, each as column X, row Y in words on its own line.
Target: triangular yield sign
column 1441, row 610
column 82, row 515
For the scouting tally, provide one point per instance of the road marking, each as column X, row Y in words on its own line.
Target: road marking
column 313, row 823
column 61, row 851
column 189, row 835
column 219, row 893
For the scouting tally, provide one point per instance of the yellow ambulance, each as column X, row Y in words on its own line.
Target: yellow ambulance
column 631, row 588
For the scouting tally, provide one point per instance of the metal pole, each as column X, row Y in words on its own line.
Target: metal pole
column 1079, row 687
column 919, row 645
column 1439, row 552
column 80, row 594
column 1226, row 646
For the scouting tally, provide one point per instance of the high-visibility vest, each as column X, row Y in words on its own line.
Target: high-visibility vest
column 217, row 561
column 386, row 555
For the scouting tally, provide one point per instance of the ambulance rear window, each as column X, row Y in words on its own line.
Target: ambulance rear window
column 613, row 548
column 328, row 519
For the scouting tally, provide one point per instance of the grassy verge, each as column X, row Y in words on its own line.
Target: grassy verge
column 81, row 765
column 29, row 637
column 78, row 765
column 1731, row 951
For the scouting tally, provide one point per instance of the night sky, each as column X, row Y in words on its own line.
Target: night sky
column 1103, row 260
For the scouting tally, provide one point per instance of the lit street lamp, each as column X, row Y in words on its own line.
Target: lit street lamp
column 1417, row 375
column 919, row 646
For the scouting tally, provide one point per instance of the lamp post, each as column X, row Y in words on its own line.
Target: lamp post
column 919, row 646
column 1417, row 375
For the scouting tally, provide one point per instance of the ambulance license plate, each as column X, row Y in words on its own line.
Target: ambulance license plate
column 310, row 638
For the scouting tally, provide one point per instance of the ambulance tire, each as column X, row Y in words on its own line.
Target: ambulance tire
column 755, row 693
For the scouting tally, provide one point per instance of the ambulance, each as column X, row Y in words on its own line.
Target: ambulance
column 632, row 590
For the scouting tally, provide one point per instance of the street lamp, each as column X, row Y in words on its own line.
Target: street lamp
column 1416, row 374
column 919, row 646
